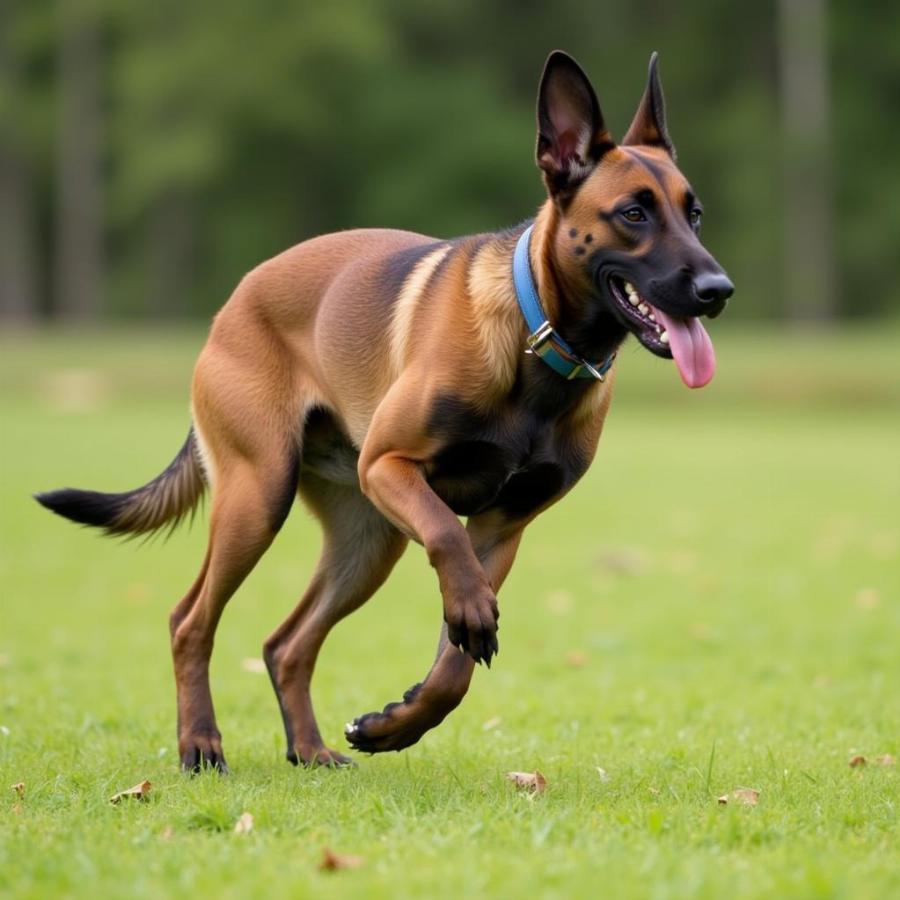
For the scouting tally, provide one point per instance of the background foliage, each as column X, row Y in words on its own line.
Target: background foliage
column 150, row 154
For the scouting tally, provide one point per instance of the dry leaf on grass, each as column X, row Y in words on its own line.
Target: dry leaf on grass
column 867, row 599
column 138, row 792
column 623, row 561
column 747, row 796
column 534, row 782
column 332, row 861
column 254, row 665
column 576, row 659
column 244, row 824
column 168, row 833
column 19, row 788
column 604, row 775
column 491, row 723
column 884, row 760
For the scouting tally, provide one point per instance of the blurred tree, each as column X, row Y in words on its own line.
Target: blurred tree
column 19, row 300
column 809, row 273
column 231, row 150
column 865, row 86
column 176, row 145
column 79, row 224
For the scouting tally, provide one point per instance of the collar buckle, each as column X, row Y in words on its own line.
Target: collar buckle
column 538, row 338
column 539, row 343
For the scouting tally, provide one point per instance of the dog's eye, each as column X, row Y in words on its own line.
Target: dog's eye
column 696, row 217
column 634, row 214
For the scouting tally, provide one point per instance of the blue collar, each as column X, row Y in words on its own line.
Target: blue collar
column 543, row 340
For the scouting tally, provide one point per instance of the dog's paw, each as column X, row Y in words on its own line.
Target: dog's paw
column 312, row 757
column 397, row 726
column 202, row 751
column 377, row 733
column 472, row 625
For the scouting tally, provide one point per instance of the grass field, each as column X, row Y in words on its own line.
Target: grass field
column 717, row 606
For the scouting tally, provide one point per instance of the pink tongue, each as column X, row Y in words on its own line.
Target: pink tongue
column 691, row 348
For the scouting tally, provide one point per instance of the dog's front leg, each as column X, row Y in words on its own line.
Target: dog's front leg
column 427, row 704
column 396, row 484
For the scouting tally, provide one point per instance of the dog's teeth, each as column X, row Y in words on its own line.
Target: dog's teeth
column 651, row 317
column 664, row 337
column 643, row 308
column 349, row 728
column 633, row 299
column 629, row 288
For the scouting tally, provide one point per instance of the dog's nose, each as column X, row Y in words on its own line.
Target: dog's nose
column 713, row 287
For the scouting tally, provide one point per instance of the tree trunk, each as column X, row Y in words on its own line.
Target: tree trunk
column 809, row 269
column 19, row 301
column 171, row 247
column 79, row 208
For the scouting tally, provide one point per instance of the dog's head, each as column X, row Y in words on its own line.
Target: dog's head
column 626, row 240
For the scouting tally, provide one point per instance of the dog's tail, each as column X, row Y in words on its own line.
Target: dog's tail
column 166, row 499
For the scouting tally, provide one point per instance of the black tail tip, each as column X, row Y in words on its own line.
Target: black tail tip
column 85, row 507
column 46, row 499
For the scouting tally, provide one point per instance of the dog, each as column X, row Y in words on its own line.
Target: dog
column 398, row 382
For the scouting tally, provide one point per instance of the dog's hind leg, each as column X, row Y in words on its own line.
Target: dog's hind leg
column 246, row 415
column 242, row 525
column 495, row 542
column 360, row 549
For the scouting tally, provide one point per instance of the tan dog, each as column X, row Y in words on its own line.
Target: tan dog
column 397, row 382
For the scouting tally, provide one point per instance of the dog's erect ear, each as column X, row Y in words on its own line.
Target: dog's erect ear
column 649, row 125
column 571, row 134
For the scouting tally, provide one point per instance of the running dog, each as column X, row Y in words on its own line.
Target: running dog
column 397, row 381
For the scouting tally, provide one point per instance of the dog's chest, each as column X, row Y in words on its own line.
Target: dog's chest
column 513, row 461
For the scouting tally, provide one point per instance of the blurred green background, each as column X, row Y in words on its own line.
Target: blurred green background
column 151, row 153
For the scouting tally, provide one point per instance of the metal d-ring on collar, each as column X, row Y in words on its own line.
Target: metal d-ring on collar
column 543, row 340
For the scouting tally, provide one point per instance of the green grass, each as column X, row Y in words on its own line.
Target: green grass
column 729, row 572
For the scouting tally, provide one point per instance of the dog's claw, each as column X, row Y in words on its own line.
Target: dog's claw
column 482, row 648
column 320, row 757
column 200, row 752
column 196, row 761
column 473, row 627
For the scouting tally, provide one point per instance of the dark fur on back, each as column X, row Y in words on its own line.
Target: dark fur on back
column 165, row 499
